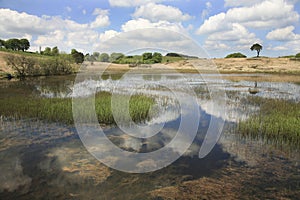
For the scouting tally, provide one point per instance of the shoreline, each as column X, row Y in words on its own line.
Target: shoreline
column 262, row 65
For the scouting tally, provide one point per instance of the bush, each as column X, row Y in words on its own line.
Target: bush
column 147, row 56
column 157, row 57
column 297, row 55
column 57, row 66
column 24, row 66
column 173, row 55
column 30, row 66
column 236, row 55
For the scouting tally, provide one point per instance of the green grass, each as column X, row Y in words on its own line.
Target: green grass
column 278, row 121
column 60, row 110
column 25, row 53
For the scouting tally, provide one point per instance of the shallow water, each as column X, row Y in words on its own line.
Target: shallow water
column 47, row 160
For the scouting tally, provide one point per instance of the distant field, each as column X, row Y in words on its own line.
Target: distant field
column 230, row 65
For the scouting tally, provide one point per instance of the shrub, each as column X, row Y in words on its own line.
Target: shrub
column 147, row 56
column 236, row 55
column 56, row 66
column 24, row 66
column 30, row 66
column 173, row 55
column 157, row 57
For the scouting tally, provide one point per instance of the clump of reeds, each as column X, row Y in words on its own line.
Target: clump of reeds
column 60, row 109
column 277, row 121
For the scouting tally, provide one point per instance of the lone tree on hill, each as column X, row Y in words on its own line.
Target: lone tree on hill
column 257, row 47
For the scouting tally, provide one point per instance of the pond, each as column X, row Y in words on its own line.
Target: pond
column 43, row 160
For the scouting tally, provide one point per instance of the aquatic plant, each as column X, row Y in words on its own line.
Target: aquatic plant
column 277, row 121
column 60, row 110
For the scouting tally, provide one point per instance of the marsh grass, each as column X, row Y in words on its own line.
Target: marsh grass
column 277, row 121
column 60, row 110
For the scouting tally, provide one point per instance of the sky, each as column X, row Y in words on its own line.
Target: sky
column 219, row 27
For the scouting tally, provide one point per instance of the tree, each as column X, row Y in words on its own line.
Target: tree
column 147, row 56
column 24, row 44
column 77, row 56
column 297, row 55
column 2, row 43
column 55, row 51
column 13, row 44
column 104, row 57
column 157, row 57
column 116, row 56
column 257, row 47
column 96, row 55
column 47, row 51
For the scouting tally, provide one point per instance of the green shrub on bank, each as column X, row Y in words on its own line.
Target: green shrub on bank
column 34, row 66
column 236, row 55
column 59, row 65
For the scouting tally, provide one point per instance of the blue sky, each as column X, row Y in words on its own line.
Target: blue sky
column 220, row 27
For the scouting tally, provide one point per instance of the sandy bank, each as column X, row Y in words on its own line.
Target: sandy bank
column 233, row 65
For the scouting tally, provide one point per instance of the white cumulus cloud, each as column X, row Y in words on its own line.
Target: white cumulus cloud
column 132, row 3
column 238, row 37
column 142, row 34
column 267, row 14
column 283, row 34
column 232, row 28
column 102, row 18
column 214, row 24
column 145, row 23
column 235, row 3
column 237, row 33
column 15, row 24
column 49, row 30
column 108, row 35
column 159, row 12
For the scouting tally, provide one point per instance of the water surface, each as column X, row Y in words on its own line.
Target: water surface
column 47, row 160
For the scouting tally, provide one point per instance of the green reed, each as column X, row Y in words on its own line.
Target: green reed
column 277, row 121
column 60, row 109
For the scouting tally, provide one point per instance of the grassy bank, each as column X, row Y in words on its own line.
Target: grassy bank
column 60, row 110
column 278, row 121
column 25, row 64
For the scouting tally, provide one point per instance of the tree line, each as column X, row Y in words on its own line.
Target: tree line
column 77, row 56
column 120, row 58
column 15, row 44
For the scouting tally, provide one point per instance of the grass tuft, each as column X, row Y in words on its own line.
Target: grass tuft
column 60, row 110
column 277, row 121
